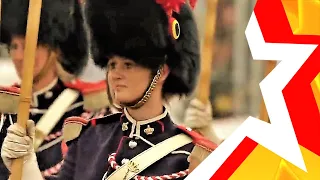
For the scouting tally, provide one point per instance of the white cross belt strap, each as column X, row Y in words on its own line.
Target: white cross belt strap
column 148, row 157
column 50, row 119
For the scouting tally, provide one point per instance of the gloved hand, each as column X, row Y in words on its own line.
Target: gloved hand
column 19, row 143
column 199, row 117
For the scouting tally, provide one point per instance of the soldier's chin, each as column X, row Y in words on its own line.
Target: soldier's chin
column 123, row 99
column 125, row 102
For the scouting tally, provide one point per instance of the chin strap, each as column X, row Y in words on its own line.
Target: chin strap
column 137, row 104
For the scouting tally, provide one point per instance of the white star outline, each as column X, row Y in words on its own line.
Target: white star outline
column 279, row 136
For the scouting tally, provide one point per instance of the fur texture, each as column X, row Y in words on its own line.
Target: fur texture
column 61, row 27
column 138, row 30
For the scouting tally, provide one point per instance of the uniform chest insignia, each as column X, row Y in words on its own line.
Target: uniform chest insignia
column 125, row 126
column 149, row 130
column 132, row 167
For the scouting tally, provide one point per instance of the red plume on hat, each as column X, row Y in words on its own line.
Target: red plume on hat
column 174, row 5
column 171, row 6
column 193, row 3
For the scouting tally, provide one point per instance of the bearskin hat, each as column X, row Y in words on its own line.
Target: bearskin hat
column 61, row 27
column 141, row 31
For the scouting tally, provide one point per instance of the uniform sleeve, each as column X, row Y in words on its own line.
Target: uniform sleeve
column 4, row 172
column 67, row 170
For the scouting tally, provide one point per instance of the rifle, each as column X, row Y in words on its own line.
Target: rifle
column 32, row 30
column 203, row 89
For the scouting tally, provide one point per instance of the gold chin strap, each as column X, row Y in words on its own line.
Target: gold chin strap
column 147, row 94
column 50, row 62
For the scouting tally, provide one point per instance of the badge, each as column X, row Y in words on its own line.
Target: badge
column 132, row 167
column 125, row 126
column 149, row 130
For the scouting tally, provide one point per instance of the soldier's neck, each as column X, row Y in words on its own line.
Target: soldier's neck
column 45, row 81
column 152, row 108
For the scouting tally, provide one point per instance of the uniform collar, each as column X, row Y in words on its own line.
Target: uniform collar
column 47, row 88
column 146, row 128
column 46, row 93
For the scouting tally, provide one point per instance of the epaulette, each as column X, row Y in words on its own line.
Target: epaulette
column 9, row 99
column 72, row 127
column 75, row 125
column 108, row 118
column 94, row 94
column 199, row 140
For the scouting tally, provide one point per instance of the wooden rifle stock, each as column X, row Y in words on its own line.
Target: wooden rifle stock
column 27, row 78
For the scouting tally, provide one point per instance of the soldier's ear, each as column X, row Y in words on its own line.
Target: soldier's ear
column 164, row 73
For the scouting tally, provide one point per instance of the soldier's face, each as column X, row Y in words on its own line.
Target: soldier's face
column 128, row 80
column 16, row 51
column 111, row 91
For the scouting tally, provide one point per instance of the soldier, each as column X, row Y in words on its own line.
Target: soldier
column 150, row 53
column 61, row 40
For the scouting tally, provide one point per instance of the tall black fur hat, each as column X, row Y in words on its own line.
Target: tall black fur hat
column 61, row 26
column 141, row 31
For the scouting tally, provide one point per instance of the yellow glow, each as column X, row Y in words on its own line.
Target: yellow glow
column 263, row 164
column 316, row 89
column 303, row 16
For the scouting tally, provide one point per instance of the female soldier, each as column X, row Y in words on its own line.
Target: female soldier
column 150, row 51
column 61, row 40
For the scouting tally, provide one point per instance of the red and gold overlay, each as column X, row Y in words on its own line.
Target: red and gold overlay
column 296, row 22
